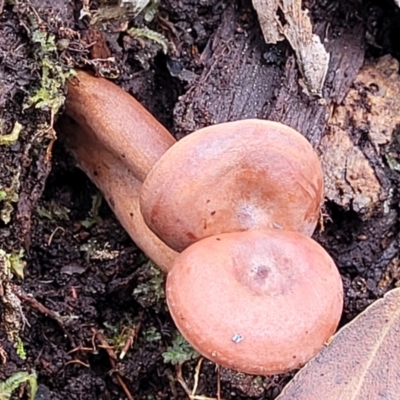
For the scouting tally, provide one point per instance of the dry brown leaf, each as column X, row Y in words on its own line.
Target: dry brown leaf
column 361, row 363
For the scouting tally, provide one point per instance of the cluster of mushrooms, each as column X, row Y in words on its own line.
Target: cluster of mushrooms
column 227, row 213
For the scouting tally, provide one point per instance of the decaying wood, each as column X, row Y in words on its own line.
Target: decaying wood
column 267, row 16
column 373, row 103
column 371, row 108
column 349, row 178
column 243, row 77
column 236, row 81
column 312, row 58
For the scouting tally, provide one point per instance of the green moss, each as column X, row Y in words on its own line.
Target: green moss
column 17, row 264
column 93, row 218
column 10, row 138
column 54, row 211
column 148, row 34
column 50, row 94
column 150, row 293
column 12, row 383
column 8, row 196
column 180, row 351
column 20, row 349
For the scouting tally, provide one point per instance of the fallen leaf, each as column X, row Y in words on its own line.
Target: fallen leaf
column 361, row 362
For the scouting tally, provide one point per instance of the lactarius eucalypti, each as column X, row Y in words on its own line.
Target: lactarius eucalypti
column 250, row 289
column 231, row 177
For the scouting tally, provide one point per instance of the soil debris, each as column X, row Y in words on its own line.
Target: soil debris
column 217, row 68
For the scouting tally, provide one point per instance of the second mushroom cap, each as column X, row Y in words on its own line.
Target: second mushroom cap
column 260, row 302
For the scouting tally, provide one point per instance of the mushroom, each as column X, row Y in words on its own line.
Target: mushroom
column 260, row 302
column 116, row 141
column 233, row 177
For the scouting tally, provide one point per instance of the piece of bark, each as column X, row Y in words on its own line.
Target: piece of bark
column 267, row 17
column 244, row 78
column 236, row 81
column 349, row 178
column 308, row 116
column 361, row 362
column 373, row 103
column 295, row 25
column 370, row 107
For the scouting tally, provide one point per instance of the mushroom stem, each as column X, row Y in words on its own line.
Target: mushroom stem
column 117, row 121
column 119, row 187
column 116, row 141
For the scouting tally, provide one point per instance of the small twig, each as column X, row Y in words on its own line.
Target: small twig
column 79, row 348
column 218, row 383
column 3, row 355
column 77, row 362
column 93, row 339
column 59, row 228
column 33, row 303
column 73, row 293
column 53, row 137
column 179, row 378
column 105, row 346
column 113, row 358
column 124, row 387
column 196, row 376
column 191, row 394
column 130, row 340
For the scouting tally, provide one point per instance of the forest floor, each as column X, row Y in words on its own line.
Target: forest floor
column 87, row 291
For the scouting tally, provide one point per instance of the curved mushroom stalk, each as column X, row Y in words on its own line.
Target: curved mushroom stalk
column 118, row 122
column 116, row 141
column 261, row 302
column 118, row 186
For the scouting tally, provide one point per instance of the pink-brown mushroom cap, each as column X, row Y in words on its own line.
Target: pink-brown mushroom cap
column 260, row 302
column 233, row 177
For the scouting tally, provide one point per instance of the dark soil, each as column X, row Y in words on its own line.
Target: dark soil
column 93, row 282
